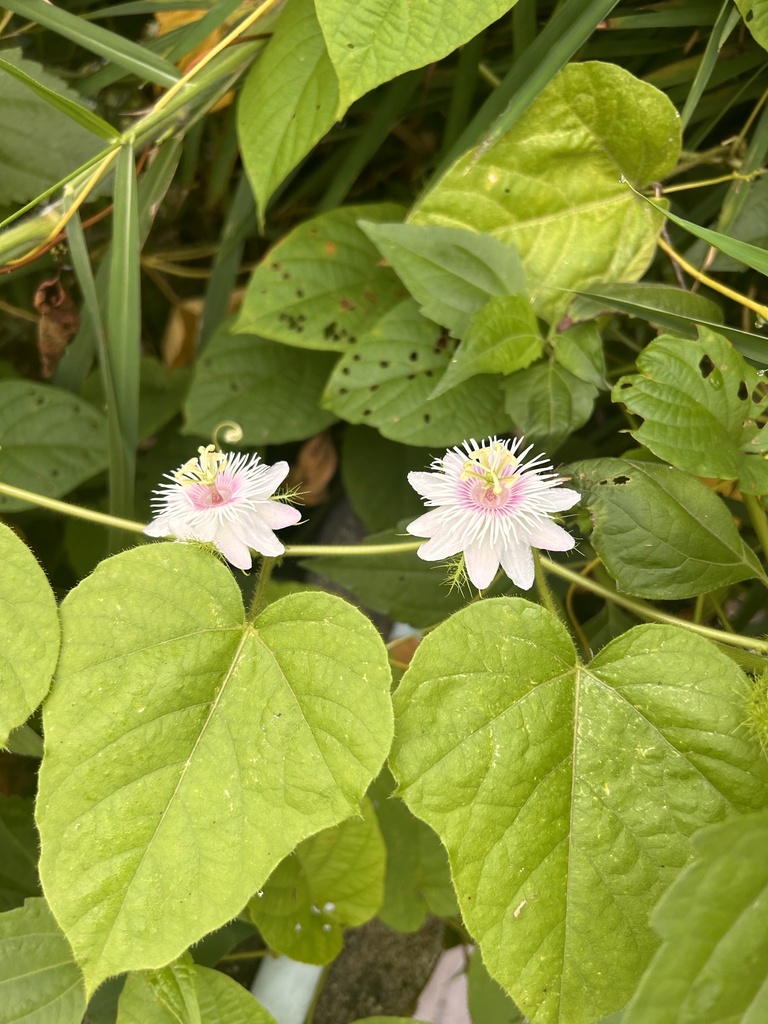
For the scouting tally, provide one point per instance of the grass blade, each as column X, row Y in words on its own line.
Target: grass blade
column 84, row 117
column 199, row 30
column 751, row 255
column 240, row 221
column 124, row 326
column 727, row 20
column 112, row 47
column 81, row 263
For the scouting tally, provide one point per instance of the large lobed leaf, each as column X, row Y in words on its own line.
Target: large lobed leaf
column 713, row 963
column 697, row 400
column 29, row 633
column 40, row 981
column 553, row 183
column 566, row 794
column 333, row 880
column 188, row 751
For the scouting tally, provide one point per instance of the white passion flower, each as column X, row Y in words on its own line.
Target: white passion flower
column 227, row 500
column 493, row 503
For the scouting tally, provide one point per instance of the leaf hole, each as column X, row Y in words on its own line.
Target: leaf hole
column 427, row 418
column 345, row 370
column 619, row 481
column 743, row 391
column 706, row 366
column 356, row 357
column 374, row 387
column 429, row 373
column 384, row 364
column 366, row 412
column 413, row 356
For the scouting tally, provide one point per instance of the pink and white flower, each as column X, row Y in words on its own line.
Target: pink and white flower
column 494, row 506
column 226, row 500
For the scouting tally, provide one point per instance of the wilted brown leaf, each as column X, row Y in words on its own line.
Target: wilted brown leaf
column 58, row 324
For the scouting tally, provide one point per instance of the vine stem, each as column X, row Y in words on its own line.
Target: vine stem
column 651, row 614
column 758, row 519
column 638, row 608
column 743, row 300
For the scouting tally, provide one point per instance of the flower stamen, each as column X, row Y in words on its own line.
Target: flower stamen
column 488, row 465
column 202, row 470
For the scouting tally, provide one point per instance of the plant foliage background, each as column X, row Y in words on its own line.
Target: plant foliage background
column 352, row 235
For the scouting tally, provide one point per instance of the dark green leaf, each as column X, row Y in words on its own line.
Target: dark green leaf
column 661, row 533
column 547, row 402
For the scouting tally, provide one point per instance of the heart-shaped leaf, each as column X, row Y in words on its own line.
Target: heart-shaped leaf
column 566, row 794
column 189, row 750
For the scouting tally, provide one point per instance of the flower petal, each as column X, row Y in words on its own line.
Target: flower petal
column 517, row 563
column 233, row 549
column 444, row 545
column 482, row 564
column 428, row 524
column 550, row 536
column 277, row 515
column 557, row 499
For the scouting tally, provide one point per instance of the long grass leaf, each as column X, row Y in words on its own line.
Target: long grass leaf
column 752, row 255
column 727, row 20
column 240, row 221
column 96, row 39
column 152, row 187
column 752, row 346
column 124, row 324
column 81, row 263
column 84, row 117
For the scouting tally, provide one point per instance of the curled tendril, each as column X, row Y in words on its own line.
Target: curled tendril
column 231, row 433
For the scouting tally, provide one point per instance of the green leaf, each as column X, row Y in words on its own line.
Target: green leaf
column 566, row 795
column 755, row 14
column 161, row 394
column 488, row 1003
column 175, row 989
column 29, row 633
column 400, row 585
column 323, row 284
column 30, row 127
column 712, row 964
column 219, row 1000
column 262, row 386
column 25, row 741
column 224, row 745
column 696, row 399
column 661, row 533
column 579, row 349
column 750, row 225
column 373, row 41
column 41, row 982
column 374, row 472
column 332, row 881
column 503, row 337
column 451, row 272
column 547, row 402
column 18, row 841
column 418, row 880
column 387, row 380
column 123, row 52
column 288, row 102
column 552, row 184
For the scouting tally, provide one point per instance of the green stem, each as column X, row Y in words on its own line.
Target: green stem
column 651, row 614
column 267, row 565
column 315, row 550
column 758, row 519
column 71, row 510
column 543, row 587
